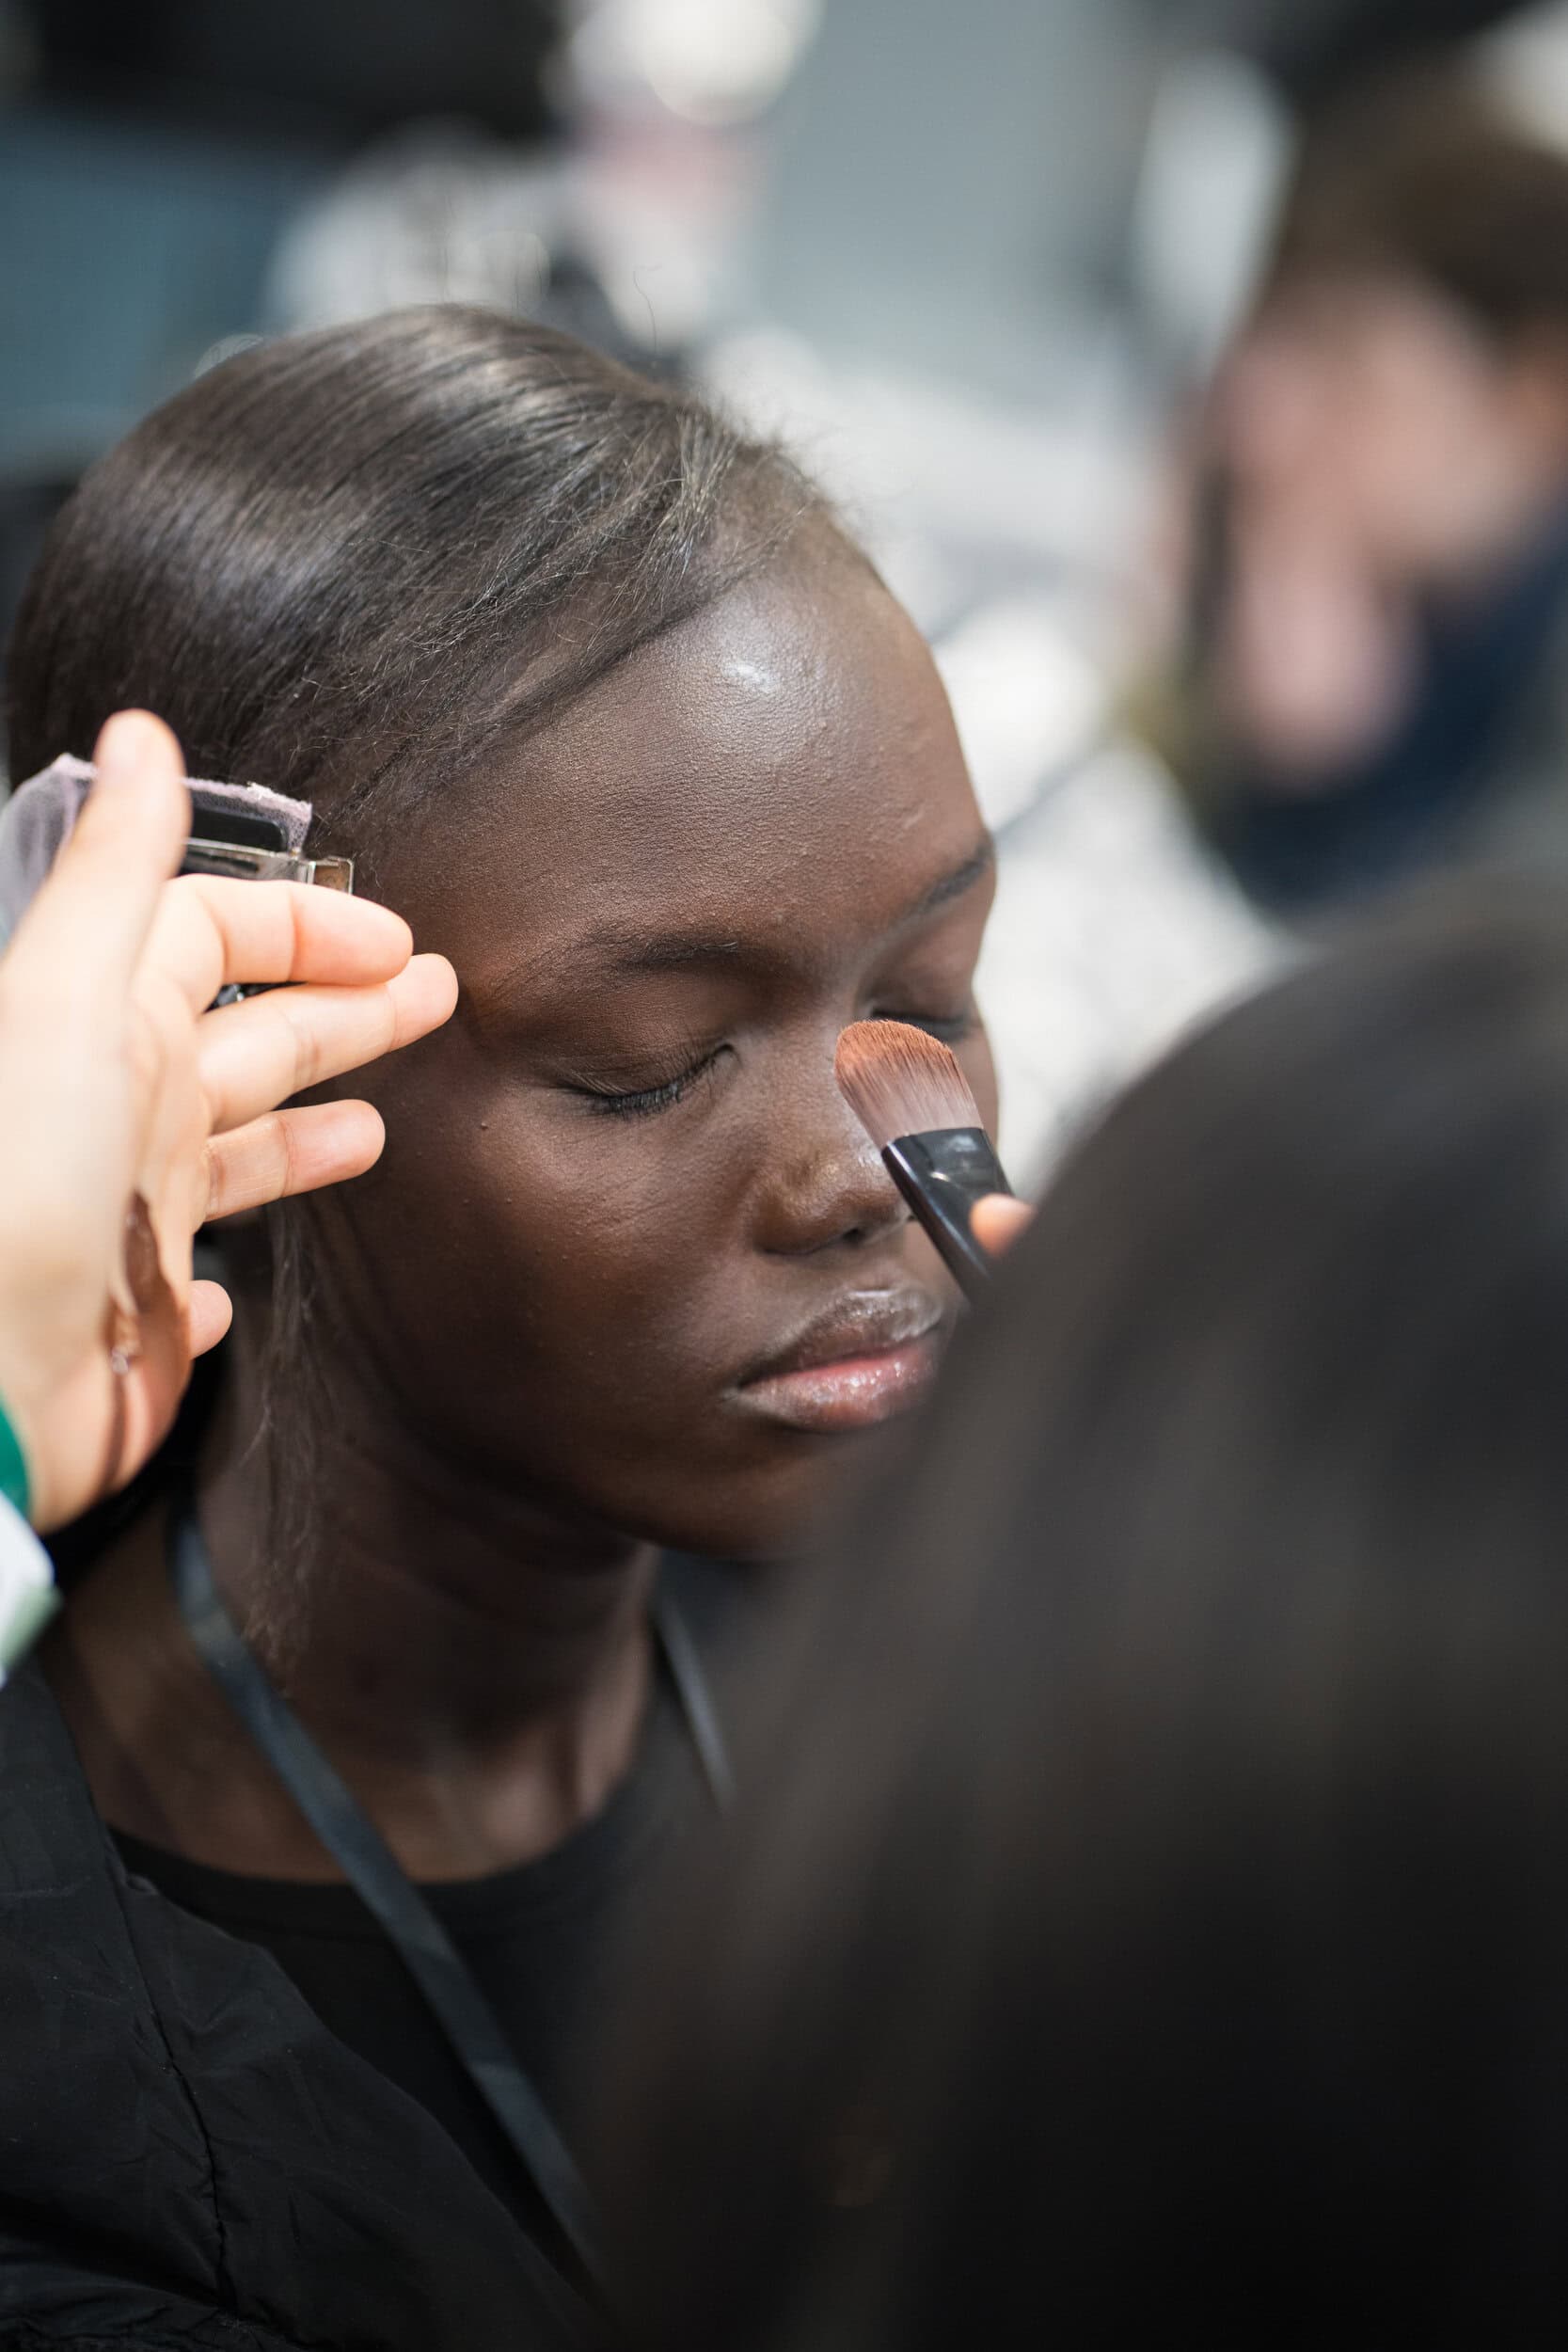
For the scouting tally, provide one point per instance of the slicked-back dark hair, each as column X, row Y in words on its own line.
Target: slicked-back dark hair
column 347, row 562
column 350, row 564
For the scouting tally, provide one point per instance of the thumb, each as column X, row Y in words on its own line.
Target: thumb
column 89, row 924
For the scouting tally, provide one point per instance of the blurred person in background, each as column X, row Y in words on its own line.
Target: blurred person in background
column 1146, row 1914
column 1376, row 674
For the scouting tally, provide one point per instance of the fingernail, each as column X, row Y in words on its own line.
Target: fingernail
column 164, row 1331
column 144, row 1272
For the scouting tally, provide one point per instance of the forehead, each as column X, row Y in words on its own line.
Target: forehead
column 783, row 762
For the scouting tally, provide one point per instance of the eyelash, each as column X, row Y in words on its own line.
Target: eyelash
column 951, row 1029
column 645, row 1101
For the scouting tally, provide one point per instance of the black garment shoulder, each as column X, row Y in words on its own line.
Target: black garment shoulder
column 189, row 2159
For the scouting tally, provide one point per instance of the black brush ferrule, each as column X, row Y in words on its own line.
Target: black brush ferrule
column 941, row 1174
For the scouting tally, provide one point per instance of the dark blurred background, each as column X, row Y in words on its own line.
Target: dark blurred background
column 1197, row 370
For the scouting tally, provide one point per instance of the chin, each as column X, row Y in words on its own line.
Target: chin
column 769, row 1513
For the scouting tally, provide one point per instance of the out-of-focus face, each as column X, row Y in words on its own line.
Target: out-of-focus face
column 628, row 1250
column 1379, row 449
column 1376, row 407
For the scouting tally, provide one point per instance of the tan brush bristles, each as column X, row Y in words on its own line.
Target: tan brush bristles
column 900, row 1082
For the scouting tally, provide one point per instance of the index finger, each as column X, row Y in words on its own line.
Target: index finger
column 211, row 930
column 252, row 1056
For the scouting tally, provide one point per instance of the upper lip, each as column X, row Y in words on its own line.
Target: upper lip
column 869, row 1323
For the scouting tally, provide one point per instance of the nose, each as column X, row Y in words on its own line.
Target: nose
column 825, row 1185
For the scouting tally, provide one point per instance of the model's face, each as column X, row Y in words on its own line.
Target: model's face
column 622, row 1195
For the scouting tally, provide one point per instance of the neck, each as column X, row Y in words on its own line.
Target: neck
column 454, row 1643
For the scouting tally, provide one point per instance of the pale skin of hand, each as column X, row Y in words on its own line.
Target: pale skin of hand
column 998, row 1221
column 116, row 1081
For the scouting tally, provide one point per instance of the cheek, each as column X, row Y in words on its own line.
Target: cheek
column 602, row 1221
column 530, row 1240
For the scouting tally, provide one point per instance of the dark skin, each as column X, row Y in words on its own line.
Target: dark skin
column 617, row 1183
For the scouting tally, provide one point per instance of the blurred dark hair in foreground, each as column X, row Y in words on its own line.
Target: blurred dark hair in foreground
column 1149, row 1912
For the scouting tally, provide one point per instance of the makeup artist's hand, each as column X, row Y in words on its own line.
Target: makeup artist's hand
column 130, row 1114
column 998, row 1221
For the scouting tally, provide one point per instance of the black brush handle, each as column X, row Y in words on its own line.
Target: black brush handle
column 941, row 1174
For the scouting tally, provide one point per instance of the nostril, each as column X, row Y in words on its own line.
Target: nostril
column 835, row 1207
column 873, row 1228
column 878, row 1209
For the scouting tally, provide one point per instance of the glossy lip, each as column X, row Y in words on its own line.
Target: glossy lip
column 862, row 1361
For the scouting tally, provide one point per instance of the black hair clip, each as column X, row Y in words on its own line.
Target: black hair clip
column 252, row 839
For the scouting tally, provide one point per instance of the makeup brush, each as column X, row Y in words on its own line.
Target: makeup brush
column 914, row 1100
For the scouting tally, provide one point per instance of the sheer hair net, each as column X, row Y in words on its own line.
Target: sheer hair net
column 37, row 820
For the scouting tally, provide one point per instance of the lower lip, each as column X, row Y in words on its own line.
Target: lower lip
column 856, row 1392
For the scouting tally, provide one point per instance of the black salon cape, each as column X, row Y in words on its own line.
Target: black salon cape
column 187, row 2158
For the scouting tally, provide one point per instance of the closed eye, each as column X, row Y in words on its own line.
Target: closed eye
column 644, row 1102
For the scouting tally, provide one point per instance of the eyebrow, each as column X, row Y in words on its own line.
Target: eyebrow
column 629, row 953
column 676, row 951
column 952, row 885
